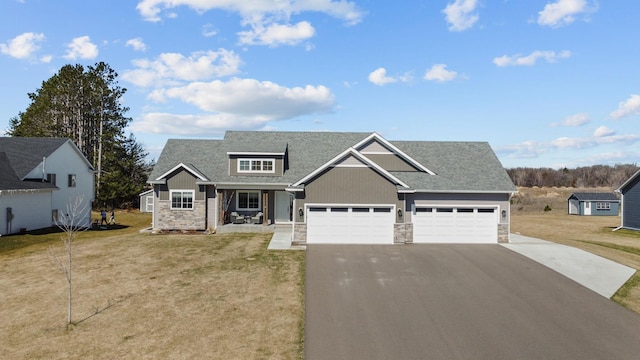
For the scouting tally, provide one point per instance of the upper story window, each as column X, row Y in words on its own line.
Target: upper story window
column 71, row 181
column 255, row 165
column 51, row 178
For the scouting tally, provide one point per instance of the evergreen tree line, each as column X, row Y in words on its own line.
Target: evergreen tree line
column 84, row 104
column 581, row 177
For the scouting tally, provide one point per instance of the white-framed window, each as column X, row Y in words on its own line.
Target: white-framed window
column 182, row 199
column 256, row 165
column 51, row 179
column 71, row 180
column 247, row 200
column 603, row 206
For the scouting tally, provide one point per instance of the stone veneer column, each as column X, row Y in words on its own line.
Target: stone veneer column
column 503, row 233
column 299, row 234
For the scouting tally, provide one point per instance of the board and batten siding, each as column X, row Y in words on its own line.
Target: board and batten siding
column 181, row 180
column 350, row 186
column 391, row 162
column 631, row 205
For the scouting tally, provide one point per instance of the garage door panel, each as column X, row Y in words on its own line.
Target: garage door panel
column 350, row 225
column 455, row 225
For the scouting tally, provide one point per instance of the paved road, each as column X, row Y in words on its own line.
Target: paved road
column 455, row 302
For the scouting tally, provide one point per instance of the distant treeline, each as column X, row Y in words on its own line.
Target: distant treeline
column 588, row 176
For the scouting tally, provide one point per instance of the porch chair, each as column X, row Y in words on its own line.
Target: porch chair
column 257, row 218
column 237, row 218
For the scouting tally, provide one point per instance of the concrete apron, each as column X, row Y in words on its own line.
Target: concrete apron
column 594, row 272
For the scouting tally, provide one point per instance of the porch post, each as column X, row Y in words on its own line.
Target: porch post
column 221, row 213
column 265, row 206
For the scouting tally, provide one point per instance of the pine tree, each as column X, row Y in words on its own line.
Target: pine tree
column 84, row 104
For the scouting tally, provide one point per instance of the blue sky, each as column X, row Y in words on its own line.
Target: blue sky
column 548, row 83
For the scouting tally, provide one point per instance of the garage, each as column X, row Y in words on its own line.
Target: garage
column 350, row 224
column 463, row 225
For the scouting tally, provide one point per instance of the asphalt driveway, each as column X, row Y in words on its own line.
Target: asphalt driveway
column 455, row 302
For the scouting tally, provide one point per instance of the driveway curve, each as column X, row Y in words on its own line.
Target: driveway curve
column 455, row 302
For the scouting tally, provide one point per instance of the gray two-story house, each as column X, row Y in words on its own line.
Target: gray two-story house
column 335, row 187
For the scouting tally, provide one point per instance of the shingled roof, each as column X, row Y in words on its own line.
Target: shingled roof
column 594, row 196
column 458, row 166
column 25, row 153
column 10, row 181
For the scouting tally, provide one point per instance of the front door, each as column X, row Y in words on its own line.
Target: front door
column 284, row 204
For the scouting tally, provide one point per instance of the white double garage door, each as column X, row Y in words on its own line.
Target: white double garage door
column 359, row 224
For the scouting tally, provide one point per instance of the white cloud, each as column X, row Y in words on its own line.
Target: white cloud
column 209, row 31
column 252, row 98
column 461, row 14
column 81, row 47
column 379, row 77
column 46, row 59
column 23, row 46
column 531, row 59
column 237, row 104
column 268, row 19
column 629, row 107
column 173, row 68
column 603, row 131
column 578, row 119
column 277, row 34
column 190, row 125
column 439, row 72
column 137, row 44
column 572, row 143
column 533, row 149
column 563, row 12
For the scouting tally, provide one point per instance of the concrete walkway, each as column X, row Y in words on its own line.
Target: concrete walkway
column 281, row 240
column 594, row 272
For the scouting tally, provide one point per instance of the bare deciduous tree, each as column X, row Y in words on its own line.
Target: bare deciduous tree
column 71, row 223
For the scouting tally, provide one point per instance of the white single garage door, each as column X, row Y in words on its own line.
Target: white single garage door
column 350, row 224
column 462, row 225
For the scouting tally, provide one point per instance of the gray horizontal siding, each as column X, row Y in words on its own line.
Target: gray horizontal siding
column 631, row 205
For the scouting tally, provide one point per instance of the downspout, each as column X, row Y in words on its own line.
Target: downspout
column 44, row 171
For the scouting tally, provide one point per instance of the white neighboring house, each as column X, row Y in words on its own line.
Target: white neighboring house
column 39, row 178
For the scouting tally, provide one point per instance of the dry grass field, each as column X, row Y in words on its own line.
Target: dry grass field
column 142, row 296
column 591, row 233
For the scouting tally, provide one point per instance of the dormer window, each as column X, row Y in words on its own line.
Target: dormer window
column 256, row 166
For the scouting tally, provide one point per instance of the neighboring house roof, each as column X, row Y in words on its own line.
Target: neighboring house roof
column 446, row 166
column 10, row 181
column 594, row 196
column 622, row 187
column 25, row 153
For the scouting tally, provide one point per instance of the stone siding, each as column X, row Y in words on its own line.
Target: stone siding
column 402, row 233
column 299, row 234
column 503, row 233
column 194, row 219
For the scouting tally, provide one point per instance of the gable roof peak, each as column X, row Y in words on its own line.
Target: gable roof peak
column 355, row 153
column 392, row 148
